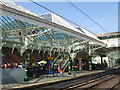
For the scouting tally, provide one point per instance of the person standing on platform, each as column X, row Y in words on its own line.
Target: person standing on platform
column 105, row 65
column 60, row 71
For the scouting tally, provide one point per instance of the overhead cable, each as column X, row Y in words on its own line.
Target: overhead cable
column 57, row 14
column 53, row 12
column 87, row 16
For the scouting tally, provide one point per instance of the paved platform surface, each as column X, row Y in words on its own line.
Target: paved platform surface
column 44, row 79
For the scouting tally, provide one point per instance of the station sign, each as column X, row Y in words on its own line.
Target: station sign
column 50, row 58
column 50, row 65
column 79, row 59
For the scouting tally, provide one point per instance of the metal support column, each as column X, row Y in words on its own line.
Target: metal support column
column 21, row 59
column 101, row 60
column 89, row 58
column 90, row 64
column 69, row 66
column 80, row 67
column 26, row 66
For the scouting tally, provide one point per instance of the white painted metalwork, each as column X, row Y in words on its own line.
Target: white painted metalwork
column 19, row 13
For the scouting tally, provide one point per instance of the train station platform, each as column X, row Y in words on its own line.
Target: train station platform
column 50, row 79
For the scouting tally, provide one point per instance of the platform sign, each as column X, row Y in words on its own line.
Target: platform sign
column 50, row 65
column 79, row 59
column 50, row 58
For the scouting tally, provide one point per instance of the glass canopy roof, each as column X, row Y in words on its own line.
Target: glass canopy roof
column 24, row 29
column 14, row 30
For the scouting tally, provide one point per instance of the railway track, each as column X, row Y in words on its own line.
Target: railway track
column 67, row 84
column 111, row 82
column 108, row 79
column 86, row 82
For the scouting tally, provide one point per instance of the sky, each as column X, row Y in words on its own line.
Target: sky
column 104, row 13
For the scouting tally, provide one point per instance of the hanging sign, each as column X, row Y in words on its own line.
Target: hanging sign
column 79, row 59
column 50, row 58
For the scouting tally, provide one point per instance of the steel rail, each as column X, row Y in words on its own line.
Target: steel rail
column 92, row 83
column 115, row 86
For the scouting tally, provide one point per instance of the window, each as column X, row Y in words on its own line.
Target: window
column 104, row 37
column 100, row 38
column 113, row 36
column 118, row 36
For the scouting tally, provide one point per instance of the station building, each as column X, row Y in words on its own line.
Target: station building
column 111, row 51
column 29, row 38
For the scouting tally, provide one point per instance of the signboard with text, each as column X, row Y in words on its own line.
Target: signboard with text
column 50, row 65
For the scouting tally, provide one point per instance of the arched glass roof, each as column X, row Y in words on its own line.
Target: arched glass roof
column 21, row 28
column 14, row 30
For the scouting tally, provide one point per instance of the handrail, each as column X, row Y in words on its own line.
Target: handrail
column 63, row 61
column 55, row 60
column 65, row 64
